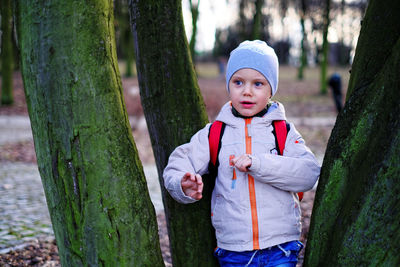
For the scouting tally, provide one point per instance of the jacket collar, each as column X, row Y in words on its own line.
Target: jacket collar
column 259, row 114
column 274, row 111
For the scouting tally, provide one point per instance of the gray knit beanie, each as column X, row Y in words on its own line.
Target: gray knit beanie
column 255, row 55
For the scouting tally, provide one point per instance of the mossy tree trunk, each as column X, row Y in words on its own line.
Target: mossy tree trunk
column 93, row 180
column 174, row 111
column 325, row 48
column 7, row 57
column 355, row 221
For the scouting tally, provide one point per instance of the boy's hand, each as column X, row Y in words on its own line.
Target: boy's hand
column 242, row 163
column 192, row 185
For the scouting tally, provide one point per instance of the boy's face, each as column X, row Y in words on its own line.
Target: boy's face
column 249, row 92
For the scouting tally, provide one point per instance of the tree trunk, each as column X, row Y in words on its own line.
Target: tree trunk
column 303, row 52
column 242, row 20
column 93, row 180
column 174, row 111
column 7, row 57
column 123, row 32
column 130, row 55
column 257, row 23
column 325, row 48
column 194, row 8
column 355, row 221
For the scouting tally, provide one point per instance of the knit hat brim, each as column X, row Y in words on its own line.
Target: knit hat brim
column 255, row 55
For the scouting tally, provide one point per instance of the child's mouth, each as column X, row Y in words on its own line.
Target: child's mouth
column 247, row 104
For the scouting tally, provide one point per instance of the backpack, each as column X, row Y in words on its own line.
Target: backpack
column 217, row 128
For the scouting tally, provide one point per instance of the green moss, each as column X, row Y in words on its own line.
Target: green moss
column 372, row 236
column 334, row 187
column 325, row 216
column 359, row 135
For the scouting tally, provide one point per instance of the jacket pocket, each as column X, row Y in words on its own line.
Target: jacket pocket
column 296, row 209
column 216, row 213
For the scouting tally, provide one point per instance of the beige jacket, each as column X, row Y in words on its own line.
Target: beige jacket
column 260, row 209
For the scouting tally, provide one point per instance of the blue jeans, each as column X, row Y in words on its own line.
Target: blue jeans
column 283, row 255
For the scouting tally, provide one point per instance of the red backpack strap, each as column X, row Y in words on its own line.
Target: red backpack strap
column 281, row 129
column 214, row 140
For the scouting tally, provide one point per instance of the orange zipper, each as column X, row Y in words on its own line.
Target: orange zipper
column 252, row 191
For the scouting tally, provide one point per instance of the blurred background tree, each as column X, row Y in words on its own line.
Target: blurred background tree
column 325, row 46
column 7, row 55
column 194, row 9
column 298, row 30
column 303, row 12
column 123, row 37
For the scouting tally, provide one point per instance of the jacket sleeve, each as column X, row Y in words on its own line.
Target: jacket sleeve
column 192, row 157
column 296, row 171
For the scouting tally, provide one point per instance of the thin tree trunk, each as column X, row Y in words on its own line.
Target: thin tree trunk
column 325, row 49
column 124, row 40
column 303, row 55
column 7, row 57
column 242, row 20
column 257, row 25
column 194, row 8
column 174, row 111
column 93, row 179
column 130, row 56
column 355, row 221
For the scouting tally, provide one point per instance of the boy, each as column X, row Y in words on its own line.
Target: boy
column 255, row 208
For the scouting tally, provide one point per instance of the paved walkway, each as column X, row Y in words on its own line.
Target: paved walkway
column 14, row 129
column 23, row 212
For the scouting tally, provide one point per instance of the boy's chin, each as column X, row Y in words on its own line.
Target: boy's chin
column 247, row 112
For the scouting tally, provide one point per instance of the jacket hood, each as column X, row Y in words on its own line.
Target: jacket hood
column 275, row 112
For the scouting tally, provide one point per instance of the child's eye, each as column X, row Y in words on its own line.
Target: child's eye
column 258, row 84
column 238, row 82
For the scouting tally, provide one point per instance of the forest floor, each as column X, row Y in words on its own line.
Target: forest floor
column 313, row 113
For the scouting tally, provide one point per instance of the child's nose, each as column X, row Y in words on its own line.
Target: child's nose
column 247, row 89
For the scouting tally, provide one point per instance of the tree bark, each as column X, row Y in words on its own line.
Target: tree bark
column 325, row 48
column 174, row 111
column 93, row 179
column 7, row 57
column 355, row 221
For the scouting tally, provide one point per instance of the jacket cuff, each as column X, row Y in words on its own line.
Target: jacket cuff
column 182, row 198
column 255, row 164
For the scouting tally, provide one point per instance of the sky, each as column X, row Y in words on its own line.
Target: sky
column 213, row 15
column 222, row 13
